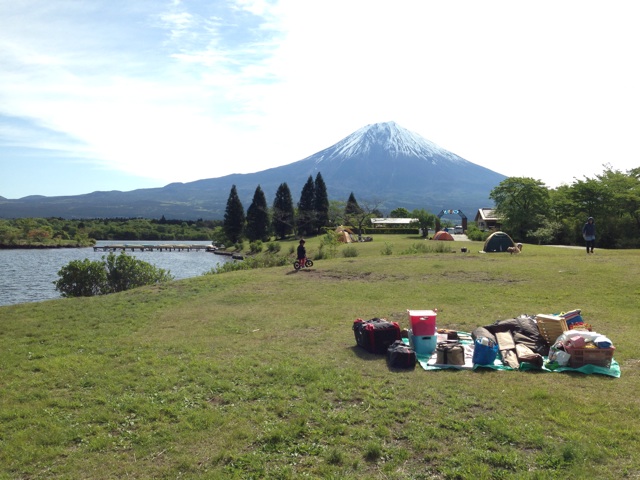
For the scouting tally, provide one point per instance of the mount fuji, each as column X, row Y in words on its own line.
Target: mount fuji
column 383, row 164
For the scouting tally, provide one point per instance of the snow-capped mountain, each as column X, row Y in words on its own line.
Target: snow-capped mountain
column 383, row 164
column 387, row 137
column 388, row 164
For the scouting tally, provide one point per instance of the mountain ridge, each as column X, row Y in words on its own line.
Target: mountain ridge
column 382, row 164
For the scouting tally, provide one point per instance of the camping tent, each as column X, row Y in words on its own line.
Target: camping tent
column 442, row 235
column 345, row 235
column 498, row 242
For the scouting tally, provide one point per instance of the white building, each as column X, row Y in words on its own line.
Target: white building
column 392, row 222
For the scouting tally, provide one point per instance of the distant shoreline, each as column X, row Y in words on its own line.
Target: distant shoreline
column 4, row 246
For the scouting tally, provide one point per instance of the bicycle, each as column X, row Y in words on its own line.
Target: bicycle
column 302, row 263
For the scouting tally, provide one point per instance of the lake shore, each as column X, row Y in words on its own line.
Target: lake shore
column 39, row 246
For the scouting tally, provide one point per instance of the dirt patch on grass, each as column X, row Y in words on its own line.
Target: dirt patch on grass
column 324, row 275
column 478, row 276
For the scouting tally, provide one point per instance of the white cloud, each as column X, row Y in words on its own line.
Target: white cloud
column 545, row 90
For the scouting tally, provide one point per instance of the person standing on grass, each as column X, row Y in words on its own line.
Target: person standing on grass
column 589, row 234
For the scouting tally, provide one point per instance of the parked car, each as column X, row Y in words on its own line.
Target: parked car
column 457, row 230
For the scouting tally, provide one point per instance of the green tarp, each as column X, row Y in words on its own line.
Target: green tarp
column 430, row 363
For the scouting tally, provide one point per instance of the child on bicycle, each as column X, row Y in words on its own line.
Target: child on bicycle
column 302, row 252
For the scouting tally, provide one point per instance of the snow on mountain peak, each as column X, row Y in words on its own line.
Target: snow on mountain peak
column 392, row 138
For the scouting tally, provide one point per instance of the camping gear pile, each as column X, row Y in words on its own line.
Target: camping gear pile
column 550, row 342
column 578, row 345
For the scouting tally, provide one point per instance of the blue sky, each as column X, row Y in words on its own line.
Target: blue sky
column 126, row 94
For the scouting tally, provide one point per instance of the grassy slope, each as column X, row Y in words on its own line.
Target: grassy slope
column 254, row 374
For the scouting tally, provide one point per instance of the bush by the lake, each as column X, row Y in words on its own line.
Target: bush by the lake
column 265, row 261
column 273, row 247
column 114, row 273
column 256, row 246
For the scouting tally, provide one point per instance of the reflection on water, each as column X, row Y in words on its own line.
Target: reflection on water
column 28, row 275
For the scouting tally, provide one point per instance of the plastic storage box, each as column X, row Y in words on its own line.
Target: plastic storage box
column 422, row 322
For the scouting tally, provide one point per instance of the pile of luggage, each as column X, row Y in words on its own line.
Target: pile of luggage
column 402, row 347
column 549, row 341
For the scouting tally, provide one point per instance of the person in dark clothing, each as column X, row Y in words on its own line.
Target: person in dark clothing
column 589, row 234
column 302, row 252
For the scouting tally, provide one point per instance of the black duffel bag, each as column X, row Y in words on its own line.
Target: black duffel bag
column 376, row 335
column 401, row 355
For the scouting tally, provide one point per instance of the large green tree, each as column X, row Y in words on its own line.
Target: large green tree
column 590, row 196
column 399, row 212
column 425, row 220
column 321, row 204
column 283, row 214
column 626, row 192
column 336, row 212
column 258, row 217
column 305, row 220
column 234, row 217
column 522, row 203
column 615, row 204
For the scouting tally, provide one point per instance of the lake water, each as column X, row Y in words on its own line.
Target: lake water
column 28, row 275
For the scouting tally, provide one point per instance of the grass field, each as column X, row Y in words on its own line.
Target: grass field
column 255, row 373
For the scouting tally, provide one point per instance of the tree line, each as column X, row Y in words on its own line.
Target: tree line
column 260, row 223
column 530, row 212
column 83, row 232
column 533, row 213
column 313, row 213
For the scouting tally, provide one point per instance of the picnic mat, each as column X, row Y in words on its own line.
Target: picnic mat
column 431, row 362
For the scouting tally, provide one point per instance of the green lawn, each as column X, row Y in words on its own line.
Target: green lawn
column 255, row 373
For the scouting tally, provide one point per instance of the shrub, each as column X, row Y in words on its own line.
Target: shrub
column 350, row 252
column 273, row 247
column 255, row 246
column 387, row 249
column 422, row 247
column 115, row 273
column 125, row 272
column 428, row 247
column 329, row 244
column 82, row 278
column 250, row 263
column 443, row 247
column 322, row 253
column 475, row 234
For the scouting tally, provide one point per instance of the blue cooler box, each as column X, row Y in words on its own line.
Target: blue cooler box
column 423, row 345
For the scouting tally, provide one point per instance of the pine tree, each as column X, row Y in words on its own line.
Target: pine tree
column 306, row 214
column 234, row 218
column 352, row 207
column 283, row 212
column 258, row 218
column 321, row 204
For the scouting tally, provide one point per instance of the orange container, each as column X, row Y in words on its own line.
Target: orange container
column 423, row 322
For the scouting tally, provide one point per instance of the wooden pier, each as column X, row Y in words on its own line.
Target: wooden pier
column 163, row 247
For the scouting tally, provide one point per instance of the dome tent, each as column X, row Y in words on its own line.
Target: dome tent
column 345, row 235
column 497, row 242
column 442, row 235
